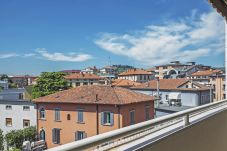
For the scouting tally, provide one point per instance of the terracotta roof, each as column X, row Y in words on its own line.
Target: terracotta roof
column 134, row 72
column 96, row 94
column 169, row 84
column 82, row 76
column 124, row 83
column 70, row 71
column 151, row 69
column 206, row 73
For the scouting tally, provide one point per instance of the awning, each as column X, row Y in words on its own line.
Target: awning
column 174, row 95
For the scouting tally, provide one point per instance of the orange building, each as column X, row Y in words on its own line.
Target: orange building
column 85, row 111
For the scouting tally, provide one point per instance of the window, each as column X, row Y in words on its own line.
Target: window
column 26, row 108
column 80, row 116
column 165, row 67
column 68, row 117
column 223, row 87
column 56, row 136
column 57, row 114
column 107, row 118
column 223, row 96
column 132, row 117
column 8, row 107
column 167, row 97
column 42, row 113
column 9, row 122
column 42, row 135
column 85, row 83
column 21, row 96
column 80, row 135
column 78, row 84
column 26, row 123
column 147, row 112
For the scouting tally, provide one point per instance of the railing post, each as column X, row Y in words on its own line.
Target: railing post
column 186, row 120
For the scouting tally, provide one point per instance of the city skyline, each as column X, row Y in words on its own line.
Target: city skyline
column 52, row 36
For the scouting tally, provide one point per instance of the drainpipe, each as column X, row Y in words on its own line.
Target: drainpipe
column 226, row 55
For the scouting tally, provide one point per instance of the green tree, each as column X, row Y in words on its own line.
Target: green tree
column 1, row 140
column 15, row 138
column 48, row 83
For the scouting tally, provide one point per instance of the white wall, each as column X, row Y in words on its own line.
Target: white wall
column 17, row 114
column 187, row 98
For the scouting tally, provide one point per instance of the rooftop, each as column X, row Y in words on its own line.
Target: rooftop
column 206, row 73
column 124, row 83
column 96, row 94
column 171, row 84
column 82, row 76
column 135, row 72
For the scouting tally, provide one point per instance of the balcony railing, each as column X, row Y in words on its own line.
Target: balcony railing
column 126, row 135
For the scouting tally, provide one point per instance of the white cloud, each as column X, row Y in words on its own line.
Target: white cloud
column 8, row 55
column 29, row 55
column 185, row 40
column 56, row 56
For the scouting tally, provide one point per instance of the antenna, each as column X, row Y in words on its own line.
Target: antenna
column 109, row 61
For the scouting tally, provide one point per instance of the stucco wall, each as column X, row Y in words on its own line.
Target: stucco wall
column 17, row 114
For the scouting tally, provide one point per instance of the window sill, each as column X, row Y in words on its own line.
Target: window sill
column 9, row 125
column 107, row 124
column 80, row 122
column 42, row 119
column 57, row 120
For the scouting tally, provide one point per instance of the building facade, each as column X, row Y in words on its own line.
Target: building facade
column 86, row 111
column 137, row 75
column 22, row 81
column 176, row 92
column 79, row 79
column 17, row 114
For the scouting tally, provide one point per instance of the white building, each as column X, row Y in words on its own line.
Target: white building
column 177, row 92
column 17, row 115
column 4, row 84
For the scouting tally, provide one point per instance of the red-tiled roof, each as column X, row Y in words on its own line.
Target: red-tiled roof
column 169, row 84
column 82, row 76
column 124, row 83
column 135, row 72
column 206, row 73
column 96, row 94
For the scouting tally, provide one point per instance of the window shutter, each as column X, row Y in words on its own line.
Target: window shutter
column 102, row 118
column 112, row 118
column 58, row 136
column 53, row 136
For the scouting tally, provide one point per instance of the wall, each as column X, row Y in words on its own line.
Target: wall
column 187, row 98
column 17, row 114
column 69, row 127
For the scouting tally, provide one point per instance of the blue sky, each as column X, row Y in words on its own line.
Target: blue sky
column 52, row 35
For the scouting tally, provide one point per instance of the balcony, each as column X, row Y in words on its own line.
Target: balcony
column 202, row 128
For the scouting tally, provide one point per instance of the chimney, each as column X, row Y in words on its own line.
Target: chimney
column 96, row 98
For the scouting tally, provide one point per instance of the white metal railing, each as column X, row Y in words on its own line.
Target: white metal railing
column 127, row 134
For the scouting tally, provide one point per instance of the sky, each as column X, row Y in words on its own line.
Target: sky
column 54, row 35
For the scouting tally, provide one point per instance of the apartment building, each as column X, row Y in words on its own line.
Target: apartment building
column 176, row 92
column 85, row 111
column 203, row 77
column 176, row 69
column 91, row 70
column 17, row 114
column 218, row 85
column 137, row 75
column 79, row 79
column 22, row 81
